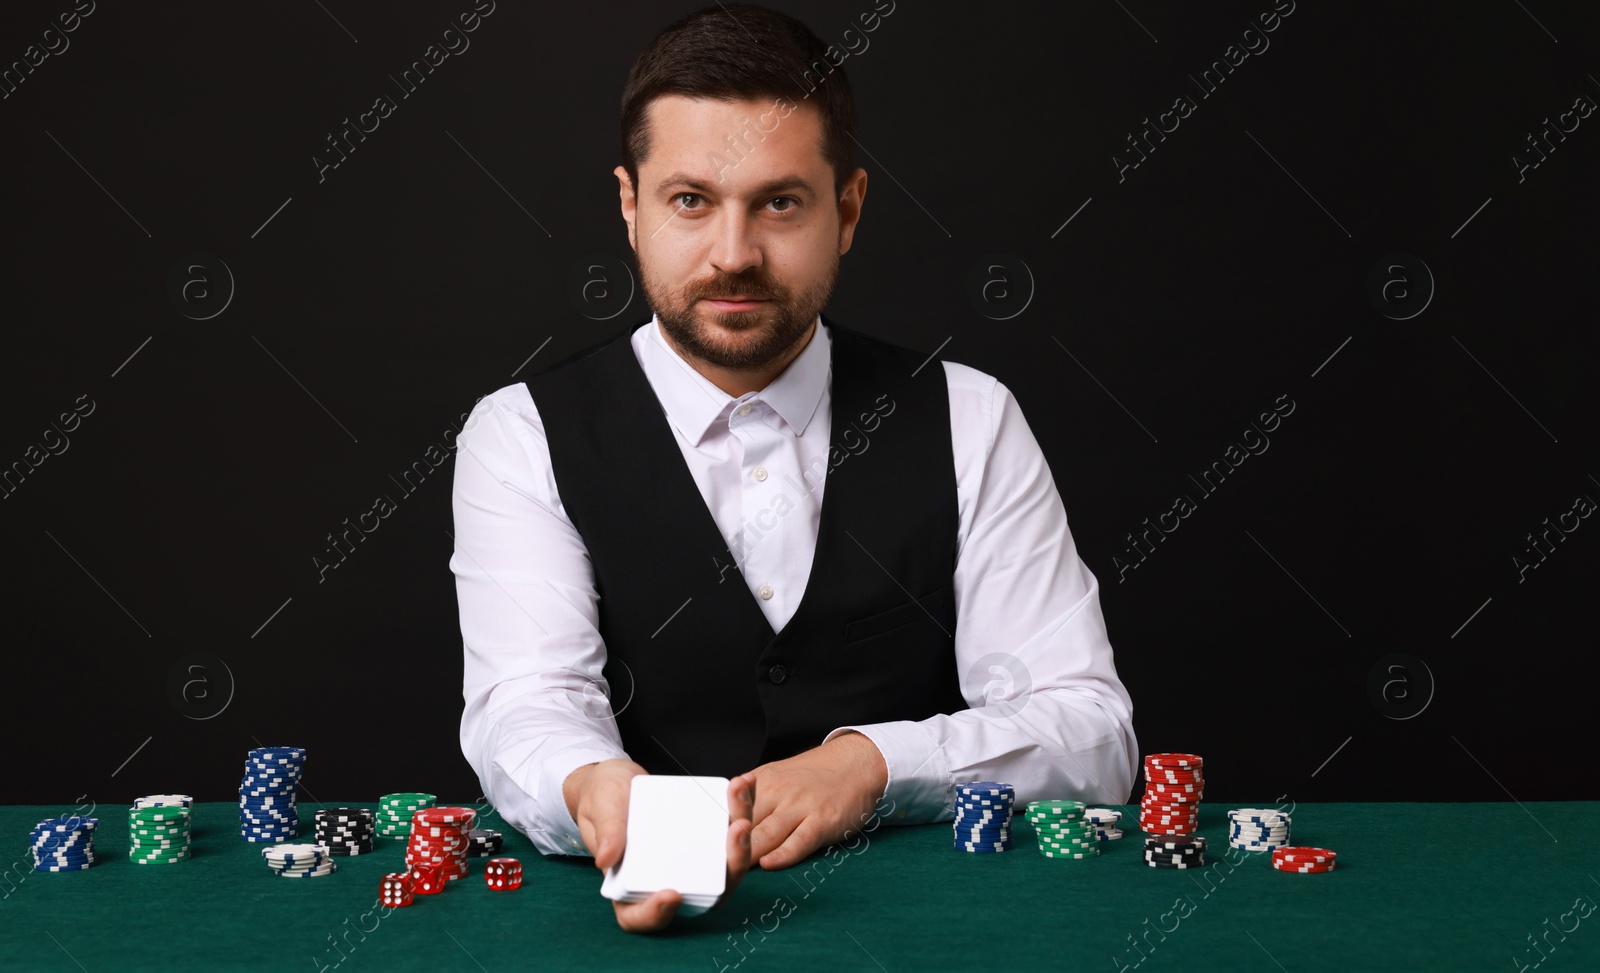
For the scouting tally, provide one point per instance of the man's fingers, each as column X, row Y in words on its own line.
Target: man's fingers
column 739, row 856
column 771, row 833
column 742, row 797
column 796, row 846
column 651, row 915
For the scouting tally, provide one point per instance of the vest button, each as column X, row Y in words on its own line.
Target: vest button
column 777, row 674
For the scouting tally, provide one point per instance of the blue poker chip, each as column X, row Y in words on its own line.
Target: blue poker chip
column 981, row 832
column 55, row 839
column 77, row 867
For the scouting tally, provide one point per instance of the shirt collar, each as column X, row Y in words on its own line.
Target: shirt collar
column 692, row 403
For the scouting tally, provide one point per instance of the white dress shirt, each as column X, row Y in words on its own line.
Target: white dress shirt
column 1050, row 714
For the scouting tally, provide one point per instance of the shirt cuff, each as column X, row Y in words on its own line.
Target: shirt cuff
column 919, row 785
column 555, row 833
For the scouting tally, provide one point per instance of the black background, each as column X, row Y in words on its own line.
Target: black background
column 1179, row 302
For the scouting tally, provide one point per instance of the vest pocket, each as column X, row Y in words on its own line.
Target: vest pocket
column 938, row 604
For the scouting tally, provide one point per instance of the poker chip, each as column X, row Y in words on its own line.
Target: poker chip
column 345, row 830
column 1175, row 851
column 1306, row 861
column 485, row 842
column 1067, row 829
column 63, row 844
column 267, row 811
column 164, row 800
column 503, row 874
column 158, row 831
column 1258, row 828
column 1174, row 785
column 394, row 811
column 298, row 860
column 983, row 816
column 440, row 839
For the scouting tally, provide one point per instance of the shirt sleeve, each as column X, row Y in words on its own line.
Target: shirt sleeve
column 537, row 707
column 1049, row 714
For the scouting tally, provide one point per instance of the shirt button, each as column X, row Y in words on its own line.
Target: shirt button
column 777, row 674
column 744, row 410
column 760, row 474
column 764, row 592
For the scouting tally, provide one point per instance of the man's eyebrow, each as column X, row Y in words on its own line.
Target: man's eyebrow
column 778, row 185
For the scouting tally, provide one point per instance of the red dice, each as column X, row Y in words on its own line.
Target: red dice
column 503, row 874
column 395, row 891
column 427, row 879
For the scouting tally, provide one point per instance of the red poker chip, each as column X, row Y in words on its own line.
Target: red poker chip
column 1306, row 869
column 445, row 815
column 1301, row 855
column 1180, row 760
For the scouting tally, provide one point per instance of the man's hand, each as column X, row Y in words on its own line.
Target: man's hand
column 816, row 798
column 597, row 798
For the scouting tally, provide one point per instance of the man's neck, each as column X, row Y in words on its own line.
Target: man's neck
column 737, row 382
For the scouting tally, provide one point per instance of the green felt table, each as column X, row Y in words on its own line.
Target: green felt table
column 1419, row 887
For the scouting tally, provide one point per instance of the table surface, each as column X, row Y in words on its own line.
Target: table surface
column 1419, row 887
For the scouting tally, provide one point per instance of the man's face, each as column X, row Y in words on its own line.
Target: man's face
column 736, row 226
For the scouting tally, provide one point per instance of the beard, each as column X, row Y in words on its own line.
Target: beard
column 738, row 340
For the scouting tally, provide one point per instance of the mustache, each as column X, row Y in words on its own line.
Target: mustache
column 734, row 285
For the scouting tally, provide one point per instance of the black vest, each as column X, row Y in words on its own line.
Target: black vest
column 699, row 681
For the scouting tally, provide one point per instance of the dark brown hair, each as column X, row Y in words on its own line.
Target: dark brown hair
column 740, row 51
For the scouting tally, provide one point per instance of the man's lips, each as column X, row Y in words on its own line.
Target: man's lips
column 735, row 303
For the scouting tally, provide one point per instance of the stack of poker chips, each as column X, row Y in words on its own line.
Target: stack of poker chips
column 395, row 891
column 1306, row 861
column 1258, row 828
column 1175, row 851
column 503, row 874
column 267, row 794
column 299, row 860
column 485, row 842
column 1174, row 784
column 439, row 841
column 395, row 811
column 158, row 834
column 983, row 816
column 1105, row 821
column 1064, row 829
column 63, row 844
column 345, row 830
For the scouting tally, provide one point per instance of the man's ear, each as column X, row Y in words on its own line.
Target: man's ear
column 850, row 202
column 630, row 204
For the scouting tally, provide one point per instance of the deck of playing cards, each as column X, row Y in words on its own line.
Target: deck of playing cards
column 677, row 839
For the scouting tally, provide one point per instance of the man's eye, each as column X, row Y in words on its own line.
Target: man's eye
column 686, row 200
column 787, row 203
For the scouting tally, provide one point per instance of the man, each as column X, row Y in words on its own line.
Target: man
column 742, row 540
